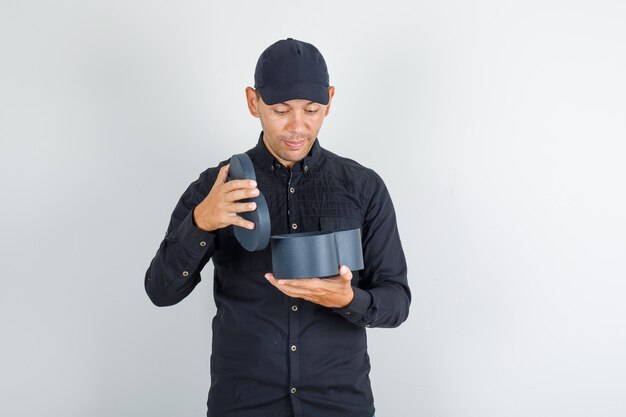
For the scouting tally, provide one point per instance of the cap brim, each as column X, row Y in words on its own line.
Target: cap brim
column 306, row 91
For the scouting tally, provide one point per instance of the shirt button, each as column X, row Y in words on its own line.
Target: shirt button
column 293, row 390
column 185, row 273
column 203, row 243
column 306, row 168
column 277, row 165
column 293, row 348
column 294, row 308
column 292, row 190
column 294, row 226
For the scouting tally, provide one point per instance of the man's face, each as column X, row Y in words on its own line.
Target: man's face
column 289, row 128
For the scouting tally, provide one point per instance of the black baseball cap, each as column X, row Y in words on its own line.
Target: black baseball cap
column 291, row 69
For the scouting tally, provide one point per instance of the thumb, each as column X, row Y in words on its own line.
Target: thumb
column 345, row 273
column 222, row 176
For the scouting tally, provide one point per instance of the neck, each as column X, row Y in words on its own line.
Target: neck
column 286, row 164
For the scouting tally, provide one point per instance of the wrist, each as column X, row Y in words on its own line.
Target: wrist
column 199, row 224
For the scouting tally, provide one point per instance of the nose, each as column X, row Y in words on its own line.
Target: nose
column 296, row 122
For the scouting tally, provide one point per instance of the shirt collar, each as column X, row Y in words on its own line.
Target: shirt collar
column 263, row 158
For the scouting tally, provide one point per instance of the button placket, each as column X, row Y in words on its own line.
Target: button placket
column 294, row 317
column 291, row 201
column 293, row 341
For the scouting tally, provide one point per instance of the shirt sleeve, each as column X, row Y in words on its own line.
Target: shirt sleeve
column 382, row 297
column 175, row 269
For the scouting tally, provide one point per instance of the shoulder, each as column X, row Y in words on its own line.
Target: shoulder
column 346, row 166
column 364, row 181
column 349, row 170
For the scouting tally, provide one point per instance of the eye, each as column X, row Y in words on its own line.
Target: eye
column 280, row 111
column 312, row 110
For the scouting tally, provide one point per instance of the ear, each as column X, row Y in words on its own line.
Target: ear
column 251, row 98
column 331, row 93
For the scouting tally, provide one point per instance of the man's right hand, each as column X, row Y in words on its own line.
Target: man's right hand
column 219, row 209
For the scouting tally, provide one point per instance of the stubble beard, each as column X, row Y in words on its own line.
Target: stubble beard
column 298, row 155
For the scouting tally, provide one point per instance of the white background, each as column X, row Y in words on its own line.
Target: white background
column 498, row 126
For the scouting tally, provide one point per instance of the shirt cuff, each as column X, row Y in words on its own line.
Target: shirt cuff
column 357, row 309
column 194, row 239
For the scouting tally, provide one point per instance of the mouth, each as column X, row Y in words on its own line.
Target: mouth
column 294, row 144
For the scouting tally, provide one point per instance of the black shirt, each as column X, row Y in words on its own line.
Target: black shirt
column 273, row 355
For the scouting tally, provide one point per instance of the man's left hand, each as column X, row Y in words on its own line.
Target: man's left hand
column 334, row 292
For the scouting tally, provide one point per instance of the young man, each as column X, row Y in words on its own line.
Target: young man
column 287, row 347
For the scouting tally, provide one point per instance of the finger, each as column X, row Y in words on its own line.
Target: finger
column 240, row 194
column 282, row 283
column 288, row 291
column 222, row 175
column 345, row 273
column 241, row 207
column 271, row 278
column 237, row 184
column 308, row 283
column 278, row 282
column 239, row 221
